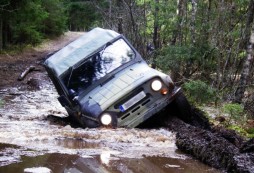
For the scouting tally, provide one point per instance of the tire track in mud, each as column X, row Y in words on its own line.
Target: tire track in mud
column 215, row 146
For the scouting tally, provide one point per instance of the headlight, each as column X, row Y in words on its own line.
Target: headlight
column 156, row 85
column 106, row 119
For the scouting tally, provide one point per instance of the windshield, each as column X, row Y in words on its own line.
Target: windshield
column 99, row 65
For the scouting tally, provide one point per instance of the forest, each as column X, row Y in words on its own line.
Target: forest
column 206, row 46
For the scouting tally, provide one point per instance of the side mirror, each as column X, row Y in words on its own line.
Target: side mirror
column 72, row 94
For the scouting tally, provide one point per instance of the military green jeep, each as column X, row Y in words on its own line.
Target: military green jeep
column 103, row 81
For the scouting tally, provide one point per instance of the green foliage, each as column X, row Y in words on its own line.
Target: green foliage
column 55, row 23
column 81, row 15
column 237, row 119
column 179, row 58
column 28, row 19
column 236, row 112
column 249, row 133
column 233, row 109
column 199, row 92
column 171, row 57
column 167, row 17
column 240, row 130
column 29, row 22
column 250, row 130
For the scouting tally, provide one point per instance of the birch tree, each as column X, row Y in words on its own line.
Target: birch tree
column 249, row 57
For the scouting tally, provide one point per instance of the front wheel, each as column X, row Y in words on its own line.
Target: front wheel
column 190, row 114
column 183, row 107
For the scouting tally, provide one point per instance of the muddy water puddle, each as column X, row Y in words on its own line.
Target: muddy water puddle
column 29, row 140
column 105, row 163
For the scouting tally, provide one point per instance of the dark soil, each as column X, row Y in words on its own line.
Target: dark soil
column 211, row 147
column 216, row 146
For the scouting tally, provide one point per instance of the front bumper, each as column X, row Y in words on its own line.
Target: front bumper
column 149, row 111
column 136, row 114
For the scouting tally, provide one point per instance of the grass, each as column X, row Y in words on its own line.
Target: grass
column 234, row 119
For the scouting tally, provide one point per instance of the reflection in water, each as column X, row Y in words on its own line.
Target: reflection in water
column 105, row 163
column 105, row 157
column 76, row 143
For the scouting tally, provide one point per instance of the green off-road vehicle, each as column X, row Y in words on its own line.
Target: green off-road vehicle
column 103, row 81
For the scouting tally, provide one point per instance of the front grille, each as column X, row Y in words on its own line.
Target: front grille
column 128, row 98
column 123, row 110
column 135, row 109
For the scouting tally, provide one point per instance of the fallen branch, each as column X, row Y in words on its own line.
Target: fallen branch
column 24, row 73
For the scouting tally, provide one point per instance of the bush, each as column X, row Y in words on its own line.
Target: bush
column 236, row 112
column 239, row 129
column 199, row 92
column 55, row 23
column 187, row 59
column 28, row 35
column 250, row 130
column 27, row 23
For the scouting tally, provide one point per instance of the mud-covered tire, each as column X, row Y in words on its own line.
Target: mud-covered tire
column 190, row 114
column 183, row 107
column 179, row 107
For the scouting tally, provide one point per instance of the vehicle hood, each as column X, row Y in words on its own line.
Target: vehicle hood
column 100, row 98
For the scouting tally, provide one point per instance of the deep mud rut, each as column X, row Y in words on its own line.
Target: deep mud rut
column 32, row 140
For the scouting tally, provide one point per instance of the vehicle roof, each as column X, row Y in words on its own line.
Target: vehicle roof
column 79, row 49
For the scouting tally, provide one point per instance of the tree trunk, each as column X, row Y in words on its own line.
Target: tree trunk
column 248, row 24
column 188, row 70
column 110, row 12
column 193, row 21
column 156, row 30
column 246, row 70
column 177, row 35
column 1, row 33
column 239, row 94
column 156, row 26
column 120, row 25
